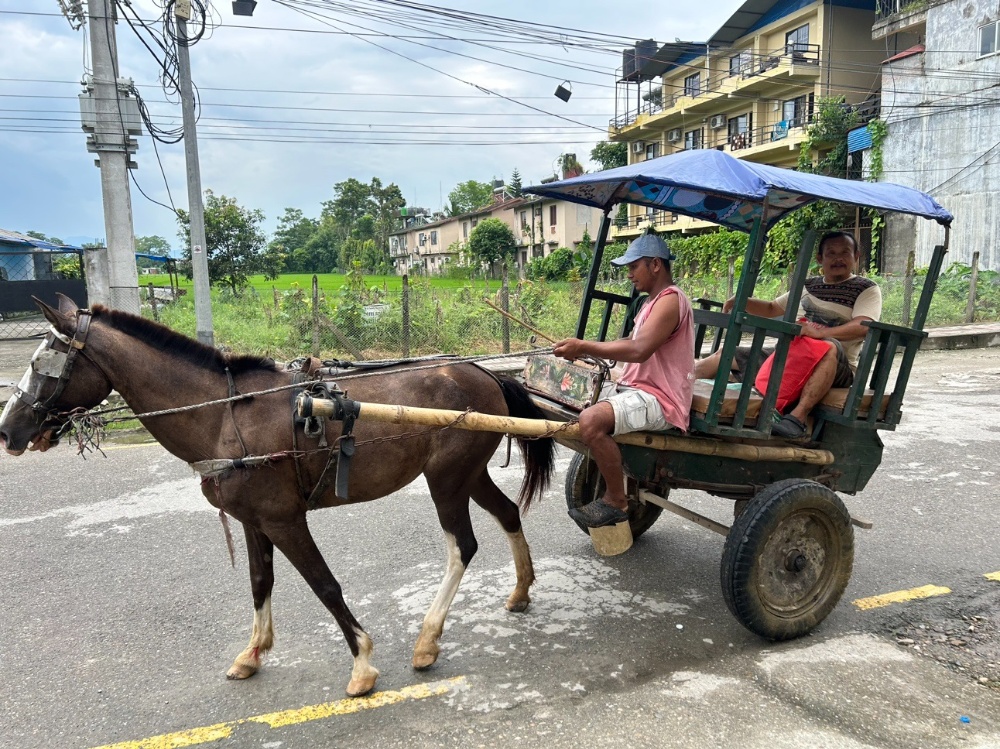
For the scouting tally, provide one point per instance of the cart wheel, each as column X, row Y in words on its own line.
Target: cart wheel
column 787, row 559
column 584, row 484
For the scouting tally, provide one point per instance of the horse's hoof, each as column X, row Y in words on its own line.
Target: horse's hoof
column 517, row 605
column 359, row 687
column 423, row 661
column 240, row 671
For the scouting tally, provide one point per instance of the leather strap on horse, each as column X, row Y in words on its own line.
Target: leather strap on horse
column 347, row 413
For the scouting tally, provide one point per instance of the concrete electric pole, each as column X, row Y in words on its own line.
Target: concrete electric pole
column 111, row 114
column 196, row 209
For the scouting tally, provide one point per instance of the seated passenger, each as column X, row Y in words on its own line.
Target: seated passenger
column 834, row 305
column 655, row 388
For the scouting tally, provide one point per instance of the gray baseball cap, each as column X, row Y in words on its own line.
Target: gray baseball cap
column 648, row 245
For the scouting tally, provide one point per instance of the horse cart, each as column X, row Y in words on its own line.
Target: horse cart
column 789, row 552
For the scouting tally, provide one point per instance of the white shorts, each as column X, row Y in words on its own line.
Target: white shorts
column 636, row 411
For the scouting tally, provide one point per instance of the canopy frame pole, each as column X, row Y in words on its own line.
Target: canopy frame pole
column 595, row 268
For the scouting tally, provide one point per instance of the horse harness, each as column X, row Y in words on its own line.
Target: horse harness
column 51, row 363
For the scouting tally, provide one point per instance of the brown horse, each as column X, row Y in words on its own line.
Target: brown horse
column 89, row 353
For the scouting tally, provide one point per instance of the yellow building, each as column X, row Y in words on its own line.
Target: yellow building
column 752, row 89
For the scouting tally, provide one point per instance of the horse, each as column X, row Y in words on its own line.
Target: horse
column 87, row 353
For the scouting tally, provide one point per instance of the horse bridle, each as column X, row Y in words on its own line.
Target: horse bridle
column 58, row 365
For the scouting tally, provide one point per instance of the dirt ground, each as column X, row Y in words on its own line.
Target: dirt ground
column 960, row 631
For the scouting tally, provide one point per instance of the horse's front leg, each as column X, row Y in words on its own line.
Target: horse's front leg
column 296, row 542
column 260, row 552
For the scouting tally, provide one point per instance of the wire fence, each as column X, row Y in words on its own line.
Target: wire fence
column 41, row 273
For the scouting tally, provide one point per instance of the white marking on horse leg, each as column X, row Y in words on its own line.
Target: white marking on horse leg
column 425, row 652
column 364, row 674
column 248, row 662
column 525, row 571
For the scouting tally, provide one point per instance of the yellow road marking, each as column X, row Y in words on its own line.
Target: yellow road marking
column 899, row 596
column 208, row 734
column 992, row 576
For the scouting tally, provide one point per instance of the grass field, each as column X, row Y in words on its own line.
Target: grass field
column 289, row 281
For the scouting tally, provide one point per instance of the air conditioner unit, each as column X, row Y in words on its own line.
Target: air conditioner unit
column 673, row 136
column 638, row 147
column 717, row 121
column 777, row 106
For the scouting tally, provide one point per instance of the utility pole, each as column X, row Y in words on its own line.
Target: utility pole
column 196, row 209
column 108, row 113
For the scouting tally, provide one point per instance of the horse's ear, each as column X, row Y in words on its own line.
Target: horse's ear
column 65, row 324
column 66, row 305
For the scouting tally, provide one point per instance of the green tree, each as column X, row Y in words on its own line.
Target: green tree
column 610, row 155
column 515, row 183
column 388, row 200
column 570, row 165
column 352, row 199
column 469, row 196
column 291, row 241
column 151, row 245
column 39, row 235
column 236, row 248
column 492, row 240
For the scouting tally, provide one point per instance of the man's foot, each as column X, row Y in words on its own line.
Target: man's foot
column 598, row 514
column 789, row 427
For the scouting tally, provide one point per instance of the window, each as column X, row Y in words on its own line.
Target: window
column 525, row 226
column 465, row 230
column 797, row 40
column 692, row 85
column 434, row 237
column 552, row 215
column 692, row 139
column 988, row 39
column 740, row 64
column 739, row 130
column 796, row 112
column 423, row 238
column 652, row 150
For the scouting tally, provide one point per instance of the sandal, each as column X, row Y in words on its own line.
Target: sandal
column 598, row 514
column 789, row 427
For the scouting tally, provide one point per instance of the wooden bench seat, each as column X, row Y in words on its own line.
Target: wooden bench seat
column 834, row 400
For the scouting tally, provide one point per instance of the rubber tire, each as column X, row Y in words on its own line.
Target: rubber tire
column 759, row 538
column 581, row 489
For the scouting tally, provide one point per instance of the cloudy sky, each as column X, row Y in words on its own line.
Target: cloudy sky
column 307, row 93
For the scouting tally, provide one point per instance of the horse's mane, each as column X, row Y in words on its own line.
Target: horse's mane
column 170, row 341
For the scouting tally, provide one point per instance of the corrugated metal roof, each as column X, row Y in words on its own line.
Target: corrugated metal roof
column 14, row 238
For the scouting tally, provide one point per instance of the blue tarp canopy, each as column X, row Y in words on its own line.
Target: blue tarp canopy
column 713, row 186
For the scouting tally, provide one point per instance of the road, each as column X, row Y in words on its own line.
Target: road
column 121, row 614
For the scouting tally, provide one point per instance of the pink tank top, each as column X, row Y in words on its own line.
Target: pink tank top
column 669, row 373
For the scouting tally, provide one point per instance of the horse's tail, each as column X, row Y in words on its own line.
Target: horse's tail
column 539, row 454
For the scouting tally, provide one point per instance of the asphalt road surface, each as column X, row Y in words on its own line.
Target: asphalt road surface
column 120, row 614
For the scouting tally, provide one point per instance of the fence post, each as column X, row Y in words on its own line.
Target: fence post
column 406, row 315
column 505, row 306
column 277, row 297
column 730, row 277
column 315, row 326
column 908, row 288
column 156, row 311
column 970, row 309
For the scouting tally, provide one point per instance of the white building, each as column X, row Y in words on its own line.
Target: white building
column 940, row 102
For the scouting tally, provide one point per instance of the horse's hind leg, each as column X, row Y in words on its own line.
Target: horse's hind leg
column 488, row 496
column 453, row 513
column 297, row 544
column 260, row 552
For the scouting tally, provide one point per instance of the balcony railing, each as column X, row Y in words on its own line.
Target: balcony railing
column 795, row 53
column 657, row 219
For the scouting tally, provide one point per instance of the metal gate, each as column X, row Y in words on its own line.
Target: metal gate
column 36, row 273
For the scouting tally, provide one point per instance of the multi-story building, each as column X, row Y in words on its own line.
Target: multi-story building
column 750, row 90
column 540, row 225
column 940, row 113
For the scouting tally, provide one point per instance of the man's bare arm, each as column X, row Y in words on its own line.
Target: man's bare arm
column 658, row 327
column 849, row 331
